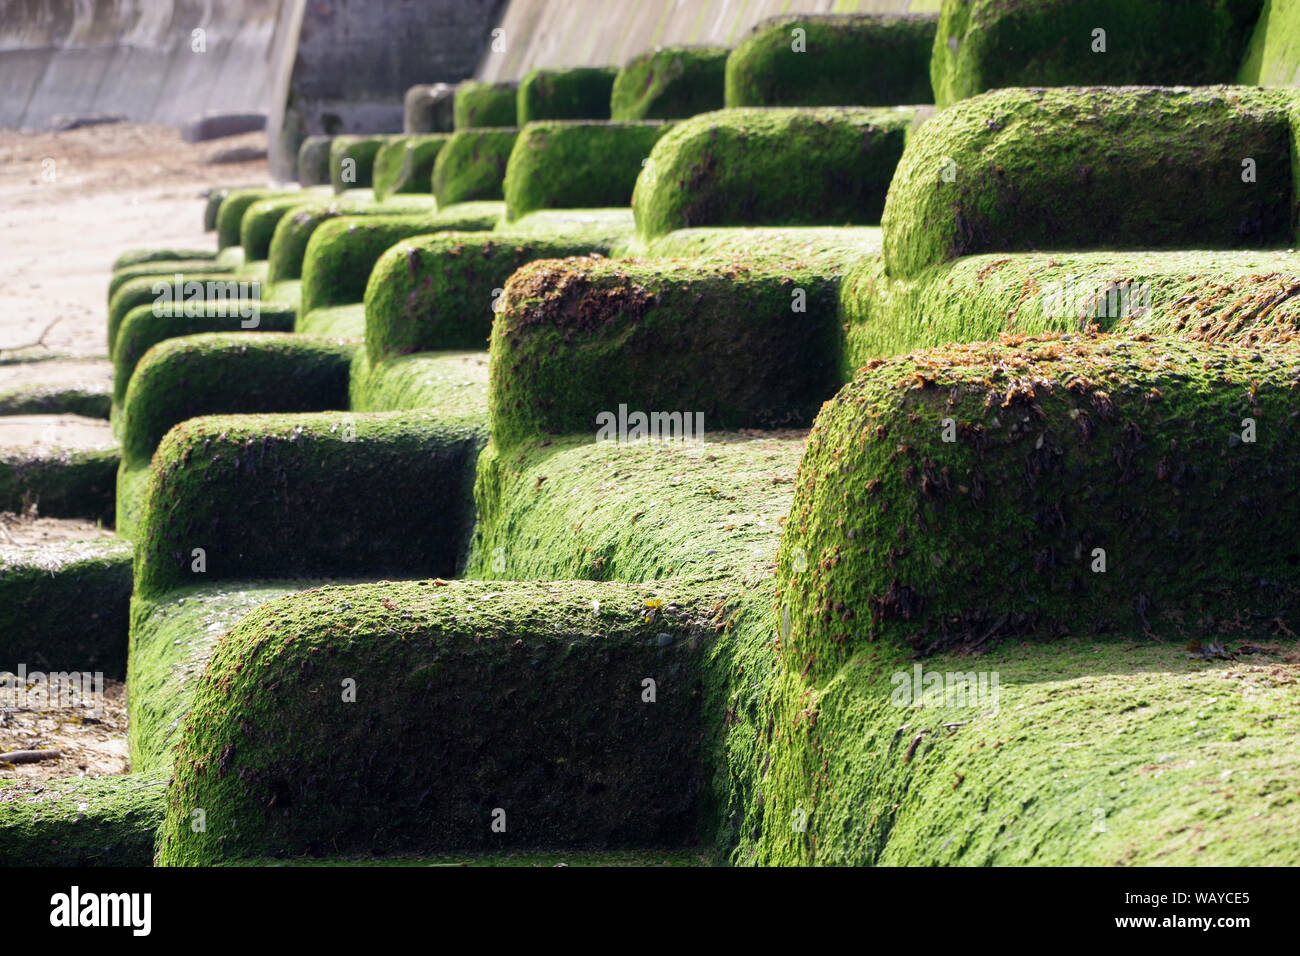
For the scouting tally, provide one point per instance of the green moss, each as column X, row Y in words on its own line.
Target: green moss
column 976, row 177
column 576, row 93
column 314, row 161
column 87, row 400
column 293, row 232
column 257, row 228
column 841, row 246
column 1060, row 447
column 825, row 64
column 64, row 607
column 239, row 487
column 472, row 165
column 342, row 253
column 163, row 268
column 577, row 164
column 484, row 104
column 135, row 257
column 336, row 321
column 453, row 384
column 561, row 738
column 669, row 83
column 172, row 638
column 231, row 213
column 209, row 290
column 747, row 343
column 1093, row 753
column 732, row 168
column 145, row 326
column 81, row 821
column 182, row 378
column 441, row 292
column 1159, row 42
column 352, row 161
column 62, row 483
column 704, row 517
column 604, row 227
column 1213, row 296
column 405, row 164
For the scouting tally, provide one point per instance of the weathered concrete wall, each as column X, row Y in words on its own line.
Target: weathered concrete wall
column 356, row 59
column 610, row 32
column 139, row 59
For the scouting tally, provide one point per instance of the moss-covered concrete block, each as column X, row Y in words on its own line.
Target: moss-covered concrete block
column 441, row 292
column 87, row 399
column 230, row 214
column 472, row 165
column 747, row 344
column 192, row 291
column 352, row 161
column 777, row 167
column 833, row 60
column 992, row 44
column 976, row 177
column 670, row 83
column 145, row 326
column 172, row 638
column 60, row 482
column 1243, row 297
column 182, row 378
column 1099, row 470
column 293, row 232
column 541, row 698
column 405, row 164
column 576, row 93
column 375, row 494
column 257, row 227
column 164, row 268
column 64, row 607
column 82, row 821
column 314, row 161
column 484, row 104
column 575, row 164
column 452, row 383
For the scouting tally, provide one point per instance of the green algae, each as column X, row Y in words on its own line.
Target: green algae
column 732, row 168
column 239, row 486
column 472, row 165
column 81, row 822
column 575, row 164
column 1157, row 42
column 823, row 64
column 442, row 291
column 563, row 741
column 181, row 378
column 405, row 164
column 64, row 607
column 453, row 384
column 577, row 93
column 61, row 483
column 669, row 83
column 976, row 178
column 578, row 337
column 145, row 326
column 484, row 104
